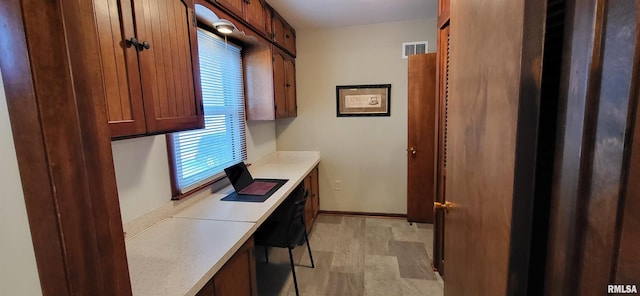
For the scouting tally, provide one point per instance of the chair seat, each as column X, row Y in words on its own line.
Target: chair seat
column 274, row 234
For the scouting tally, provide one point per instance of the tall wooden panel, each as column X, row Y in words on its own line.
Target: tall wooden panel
column 279, row 84
column 169, row 68
column 492, row 136
column 591, row 203
column 422, row 131
column 120, row 68
column 290, row 86
column 256, row 15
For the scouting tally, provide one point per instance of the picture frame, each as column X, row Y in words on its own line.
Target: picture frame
column 363, row 100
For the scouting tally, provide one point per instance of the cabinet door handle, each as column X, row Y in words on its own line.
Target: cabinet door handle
column 133, row 41
column 288, row 85
column 286, row 36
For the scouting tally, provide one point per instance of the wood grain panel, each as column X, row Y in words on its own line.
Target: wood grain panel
column 619, row 47
column 290, row 86
column 120, row 68
column 166, row 67
column 279, row 82
column 57, row 108
column 308, row 206
column 256, row 16
column 598, row 94
column 290, row 40
column 628, row 264
column 238, row 276
column 422, row 131
column 494, row 83
column 278, row 26
column 315, row 191
column 234, row 6
column 442, row 82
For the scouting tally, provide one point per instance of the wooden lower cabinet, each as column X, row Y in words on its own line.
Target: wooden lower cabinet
column 237, row 277
column 313, row 200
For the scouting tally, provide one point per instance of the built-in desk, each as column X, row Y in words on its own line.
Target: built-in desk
column 178, row 255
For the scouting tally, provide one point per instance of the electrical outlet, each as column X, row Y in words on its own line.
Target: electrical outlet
column 337, row 185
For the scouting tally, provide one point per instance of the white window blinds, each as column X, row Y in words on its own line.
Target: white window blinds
column 201, row 155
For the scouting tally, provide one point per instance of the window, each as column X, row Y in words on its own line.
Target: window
column 200, row 156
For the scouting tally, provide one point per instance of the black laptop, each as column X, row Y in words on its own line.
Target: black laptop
column 244, row 183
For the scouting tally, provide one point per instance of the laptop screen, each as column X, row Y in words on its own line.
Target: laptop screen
column 239, row 176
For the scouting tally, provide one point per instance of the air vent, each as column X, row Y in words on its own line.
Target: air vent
column 411, row 48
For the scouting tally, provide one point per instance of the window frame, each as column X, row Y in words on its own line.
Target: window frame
column 171, row 151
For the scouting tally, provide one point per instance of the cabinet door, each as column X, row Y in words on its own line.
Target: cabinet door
column 256, row 15
column 290, row 86
column 315, row 192
column 290, row 40
column 234, row 6
column 120, row 70
column 308, row 206
column 278, row 27
column 279, row 84
column 169, row 69
column 238, row 275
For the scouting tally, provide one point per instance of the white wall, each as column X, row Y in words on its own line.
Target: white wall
column 142, row 168
column 367, row 154
column 18, row 270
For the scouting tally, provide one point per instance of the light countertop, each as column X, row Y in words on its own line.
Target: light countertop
column 178, row 255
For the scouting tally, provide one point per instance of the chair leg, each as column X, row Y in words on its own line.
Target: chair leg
column 306, row 238
column 293, row 271
column 266, row 254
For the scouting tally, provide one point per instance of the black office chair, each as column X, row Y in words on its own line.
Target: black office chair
column 288, row 233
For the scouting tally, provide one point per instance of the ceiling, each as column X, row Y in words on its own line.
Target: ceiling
column 316, row 14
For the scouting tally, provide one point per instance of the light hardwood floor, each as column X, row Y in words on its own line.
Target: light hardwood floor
column 355, row 256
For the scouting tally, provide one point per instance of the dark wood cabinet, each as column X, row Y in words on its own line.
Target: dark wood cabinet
column 283, row 34
column 312, row 206
column 149, row 61
column 255, row 13
column 284, row 84
column 237, row 277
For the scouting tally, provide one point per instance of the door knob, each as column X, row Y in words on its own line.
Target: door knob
column 413, row 151
column 442, row 206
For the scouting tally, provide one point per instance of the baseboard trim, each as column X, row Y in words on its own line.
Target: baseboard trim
column 370, row 214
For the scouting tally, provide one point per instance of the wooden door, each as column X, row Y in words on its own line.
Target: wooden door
column 120, row 68
column 279, row 83
column 315, row 192
column 278, row 26
column 290, row 86
column 234, row 6
column 169, row 67
column 421, row 163
column 256, row 16
column 308, row 206
column 442, row 79
column 492, row 140
column 290, row 40
column 238, row 275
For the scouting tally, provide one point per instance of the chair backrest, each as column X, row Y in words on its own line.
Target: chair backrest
column 296, row 220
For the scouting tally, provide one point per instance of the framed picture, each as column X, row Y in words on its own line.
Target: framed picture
column 363, row 100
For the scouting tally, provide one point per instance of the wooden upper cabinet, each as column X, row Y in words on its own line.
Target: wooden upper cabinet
column 279, row 82
column 255, row 13
column 121, row 74
column 283, row 34
column 236, row 7
column 290, row 87
column 150, row 70
column 284, row 84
